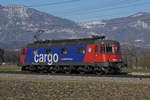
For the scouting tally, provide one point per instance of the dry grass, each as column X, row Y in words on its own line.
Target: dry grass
column 37, row 89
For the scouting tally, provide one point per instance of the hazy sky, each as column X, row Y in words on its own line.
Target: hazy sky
column 85, row 10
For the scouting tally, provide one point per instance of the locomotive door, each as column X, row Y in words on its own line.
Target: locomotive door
column 89, row 54
column 92, row 53
column 96, row 53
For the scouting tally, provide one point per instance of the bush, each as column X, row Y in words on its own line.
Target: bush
column 11, row 56
column 144, row 59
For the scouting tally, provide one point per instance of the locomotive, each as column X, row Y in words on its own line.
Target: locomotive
column 84, row 55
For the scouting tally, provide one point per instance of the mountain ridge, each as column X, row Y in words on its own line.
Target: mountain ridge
column 19, row 24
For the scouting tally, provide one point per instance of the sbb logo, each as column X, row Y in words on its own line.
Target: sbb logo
column 50, row 58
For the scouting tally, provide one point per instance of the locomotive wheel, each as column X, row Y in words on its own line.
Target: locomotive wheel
column 108, row 70
column 23, row 68
column 39, row 69
column 81, row 70
column 53, row 69
column 117, row 71
column 98, row 71
column 32, row 68
column 67, row 69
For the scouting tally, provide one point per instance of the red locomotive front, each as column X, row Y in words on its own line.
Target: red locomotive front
column 106, row 54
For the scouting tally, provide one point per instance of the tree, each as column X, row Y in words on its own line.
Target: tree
column 1, row 55
column 11, row 56
column 129, row 54
column 144, row 59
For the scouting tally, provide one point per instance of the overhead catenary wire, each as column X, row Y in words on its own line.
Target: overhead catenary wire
column 55, row 3
column 87, row 16
column 87, row 13
column 98, row 17
column 45, row 4
column 128, row 5
column 89, row 9
column 99, row 10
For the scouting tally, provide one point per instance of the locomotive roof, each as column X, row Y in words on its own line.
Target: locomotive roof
column 69, row 42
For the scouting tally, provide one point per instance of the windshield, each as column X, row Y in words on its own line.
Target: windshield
column 117, row 48
column 108, row 48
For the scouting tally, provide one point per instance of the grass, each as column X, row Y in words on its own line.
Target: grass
column 43, row 89
column 9, row 68
column 129, row 70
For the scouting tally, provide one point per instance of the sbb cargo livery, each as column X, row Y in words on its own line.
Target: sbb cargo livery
column 81, row 55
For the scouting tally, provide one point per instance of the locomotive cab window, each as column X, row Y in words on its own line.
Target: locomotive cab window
column 49, row 51
column 109, row 48
column 117, row 48
column 81, row 50
column 106, row 48
column 102, row 48
column 96, row 48
column 64, row 51
column 23, row 51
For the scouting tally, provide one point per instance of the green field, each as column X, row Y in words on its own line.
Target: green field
column 129, row 70
column 10, row 68
column 44, row 89
column 17, row 88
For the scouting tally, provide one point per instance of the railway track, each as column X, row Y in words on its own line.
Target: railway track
column 121, row 75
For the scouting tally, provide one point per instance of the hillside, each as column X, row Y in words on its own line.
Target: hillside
column 135, row 28
column 19, row 24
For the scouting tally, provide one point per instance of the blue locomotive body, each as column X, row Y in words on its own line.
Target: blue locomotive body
column 39, row 54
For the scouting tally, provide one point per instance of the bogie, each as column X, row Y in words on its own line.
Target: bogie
column 95, row 69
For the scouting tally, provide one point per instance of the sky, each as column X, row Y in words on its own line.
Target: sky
column 82, row 11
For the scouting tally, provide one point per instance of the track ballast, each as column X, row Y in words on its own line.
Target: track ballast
column 122, row 75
